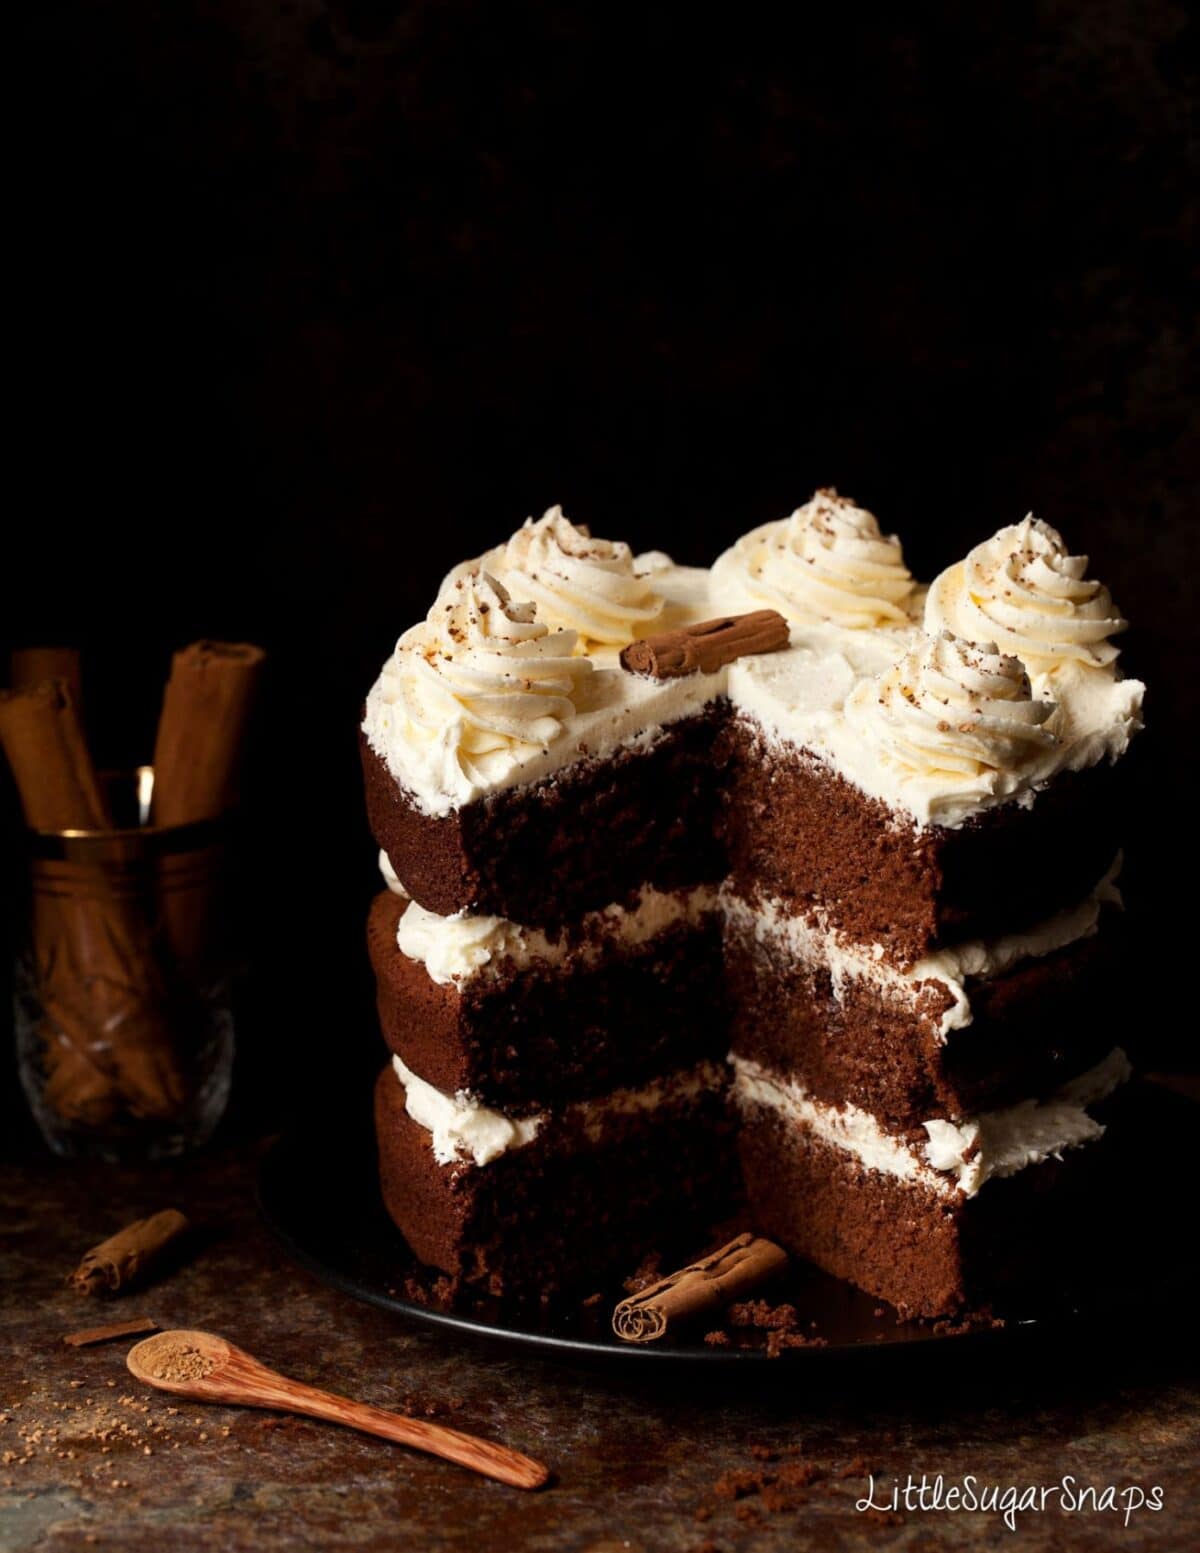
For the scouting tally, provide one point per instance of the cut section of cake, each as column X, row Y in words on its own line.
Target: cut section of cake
column 526, row 1208
column 975, row 1210
column 483, row 1006
column 970, row 1028
column 876, row 865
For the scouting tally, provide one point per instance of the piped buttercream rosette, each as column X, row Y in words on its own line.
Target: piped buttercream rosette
column 828, row 562
column 1022, row 590
column 482, row 680
column 578, row 582
column 956, row 719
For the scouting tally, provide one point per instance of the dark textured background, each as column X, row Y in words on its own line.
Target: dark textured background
column 313, row 299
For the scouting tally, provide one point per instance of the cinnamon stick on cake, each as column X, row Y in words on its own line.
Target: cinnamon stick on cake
column 707, row 646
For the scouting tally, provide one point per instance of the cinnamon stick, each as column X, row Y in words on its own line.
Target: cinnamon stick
column 197, row 755
column 29, row 666
column 128, row 1255
column 201, row 730
column 114, row 1329
column 44, row 741
column 704, row 1287
column 707, row 646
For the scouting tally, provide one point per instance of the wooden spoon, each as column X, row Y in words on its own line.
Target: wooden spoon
column 210, row 1369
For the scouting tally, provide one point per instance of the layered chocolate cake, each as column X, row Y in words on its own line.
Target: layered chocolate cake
column 668, row 874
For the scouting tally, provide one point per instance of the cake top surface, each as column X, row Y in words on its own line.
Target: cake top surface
column 940, row 702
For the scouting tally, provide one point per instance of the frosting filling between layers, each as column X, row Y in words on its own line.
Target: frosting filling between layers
column 461, row 1129
column 771, row 924
column 454, row 948
column 959, row 1158
column 457, row 948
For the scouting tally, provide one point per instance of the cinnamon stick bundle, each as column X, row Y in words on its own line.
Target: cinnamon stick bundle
column 106, row 1027
column 107, row 1041
column 128, row 1255
column 707, row 646
column 702, row 1288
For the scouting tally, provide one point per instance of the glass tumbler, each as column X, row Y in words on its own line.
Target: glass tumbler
column 123, row 1009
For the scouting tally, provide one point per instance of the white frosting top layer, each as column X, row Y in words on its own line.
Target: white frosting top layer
column 455, row 948
column 480, row 683
column 610, row 709
column 590, row 586
column 474, row 700
column 959, row 1157
column 829, row 562
column 1022, row 590
column 461, row 1129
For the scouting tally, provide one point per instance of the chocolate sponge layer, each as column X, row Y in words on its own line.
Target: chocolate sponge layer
column 589, row 835
column 794, row 828
column 1032, row 1028
column 523, row 1040
column 567, row 1209
column 928, row 1254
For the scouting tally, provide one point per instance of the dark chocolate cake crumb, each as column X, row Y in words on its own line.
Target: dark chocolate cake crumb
column 764, row 1315
column 737, row 1483
column 770, row 1490
column 777, row 1341
column 971, row 1321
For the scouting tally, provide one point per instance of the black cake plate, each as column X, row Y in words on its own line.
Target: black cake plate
column 320, row 1197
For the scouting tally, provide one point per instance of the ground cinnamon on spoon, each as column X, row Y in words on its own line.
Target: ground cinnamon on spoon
column 166, row 1358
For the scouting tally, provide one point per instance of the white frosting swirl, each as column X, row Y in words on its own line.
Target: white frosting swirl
column 460, row 1127
column 827, row 562
column 583, row 584
column 1023, row 591
column 956, row 719
column 453, row 948
column 478, row 685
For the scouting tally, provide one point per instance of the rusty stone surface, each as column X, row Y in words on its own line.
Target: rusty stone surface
column 687, row 1464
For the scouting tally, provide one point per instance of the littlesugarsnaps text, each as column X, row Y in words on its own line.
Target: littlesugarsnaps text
column 1068, row 1496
